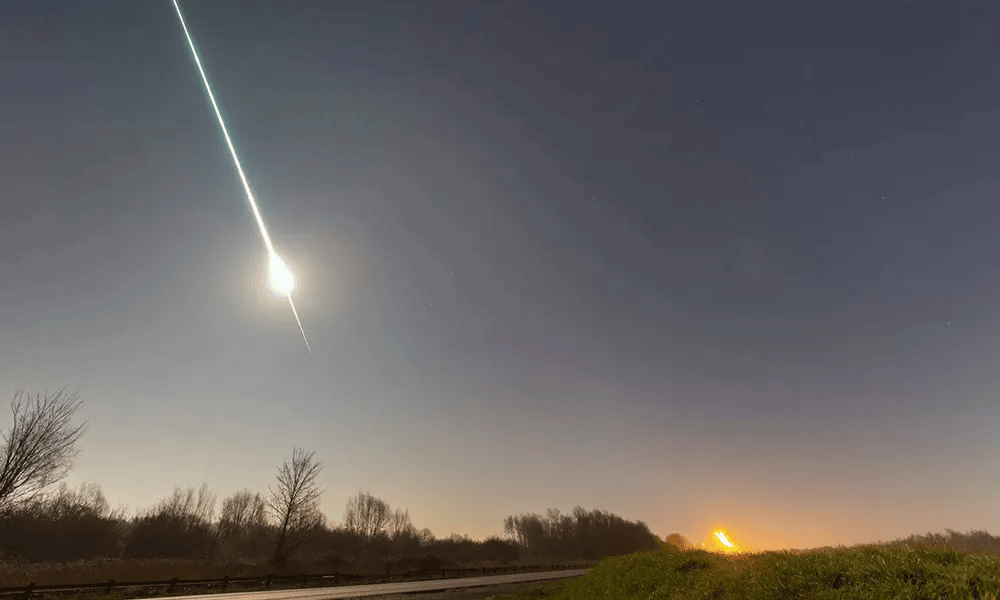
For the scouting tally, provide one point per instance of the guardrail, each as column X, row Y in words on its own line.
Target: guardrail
column 336, row 578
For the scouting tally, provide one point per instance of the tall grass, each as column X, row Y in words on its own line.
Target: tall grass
column 859, row 573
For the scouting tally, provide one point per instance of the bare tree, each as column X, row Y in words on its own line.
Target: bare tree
column 40, row 446
column 242, row 511
column 187, row 508
column 400, row 525
column 587, row 534
column 367, row 516
column 62, row 525
column 426, row 536
column 88, row 501
column 295, row 502
column 179, row 526
column 244, row 514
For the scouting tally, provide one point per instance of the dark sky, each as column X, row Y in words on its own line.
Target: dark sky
column 700, row 263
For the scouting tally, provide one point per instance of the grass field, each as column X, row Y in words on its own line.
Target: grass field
column 857, row 573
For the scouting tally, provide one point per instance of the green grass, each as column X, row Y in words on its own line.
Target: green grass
column 859, row 573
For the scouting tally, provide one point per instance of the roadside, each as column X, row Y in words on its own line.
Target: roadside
column 486, row 592
column 500, row 590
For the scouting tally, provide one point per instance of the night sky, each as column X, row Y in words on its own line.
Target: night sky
column 708, row 263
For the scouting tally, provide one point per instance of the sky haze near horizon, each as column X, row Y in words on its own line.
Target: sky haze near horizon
column 706, row 264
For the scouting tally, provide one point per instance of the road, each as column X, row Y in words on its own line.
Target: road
column 381, row 589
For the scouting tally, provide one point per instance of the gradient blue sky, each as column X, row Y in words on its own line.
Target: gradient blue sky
column 705, row 264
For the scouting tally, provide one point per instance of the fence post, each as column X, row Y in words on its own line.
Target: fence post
column 267, row 584
column 304, row 577
column 336, row 577
column 111, row 584
column 173, row 584
column 225, row 582
column 29, row 589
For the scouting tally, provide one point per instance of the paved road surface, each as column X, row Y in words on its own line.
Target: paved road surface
column 380, row 589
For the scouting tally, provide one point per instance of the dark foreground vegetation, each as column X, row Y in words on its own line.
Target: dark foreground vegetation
column 899, row 570
column 59, row 535
column 72, row 536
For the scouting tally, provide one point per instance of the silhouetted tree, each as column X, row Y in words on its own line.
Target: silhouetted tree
column 40, row 446
column 180, row 526
column 295, row 502
column 329, row 547
column 66, row 525
column 587, row 535
column 188, row 507
column 496, row 550
column 977, row 542
column 528, row 531
column 426, row 536
column 242, row 527
column 679, row 541
column 400, row 525
column 408, row 546
column 87, row 501
column 242, row 511
column 367, row 516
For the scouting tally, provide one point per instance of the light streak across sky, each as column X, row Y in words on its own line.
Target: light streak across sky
column 275, row 260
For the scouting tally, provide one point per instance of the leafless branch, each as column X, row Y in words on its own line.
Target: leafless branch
column 295, row 501
column 40, row 446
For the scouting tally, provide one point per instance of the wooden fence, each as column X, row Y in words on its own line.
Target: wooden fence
column 226, row 582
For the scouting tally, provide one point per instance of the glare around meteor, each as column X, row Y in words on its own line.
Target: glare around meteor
column 280, row 278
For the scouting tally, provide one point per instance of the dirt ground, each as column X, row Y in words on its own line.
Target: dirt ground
column 473, row 593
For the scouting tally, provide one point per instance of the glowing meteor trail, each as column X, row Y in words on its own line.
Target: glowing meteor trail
column 282, row 280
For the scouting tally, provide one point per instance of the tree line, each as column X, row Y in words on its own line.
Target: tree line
column 586, row 535
column 974, row 542
column 40, row 521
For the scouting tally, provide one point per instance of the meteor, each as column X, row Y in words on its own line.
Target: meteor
column 722, row 538
column 727, row 545
column 281, row 278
